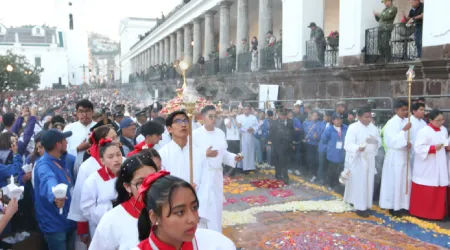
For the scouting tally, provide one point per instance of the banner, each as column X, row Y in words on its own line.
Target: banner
column 267, row 93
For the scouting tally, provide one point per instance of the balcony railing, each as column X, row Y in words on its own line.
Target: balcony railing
column 227, row 65
column 270, row 58
column 244, row 62
column 391, row 43
column 212, row 67
column 321, row 54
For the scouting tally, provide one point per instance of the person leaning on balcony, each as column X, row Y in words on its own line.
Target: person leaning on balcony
column 416, row 17
column 318, row 37
column 386, row 20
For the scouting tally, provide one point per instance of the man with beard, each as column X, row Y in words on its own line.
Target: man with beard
column 281, row 135
column 50, row 171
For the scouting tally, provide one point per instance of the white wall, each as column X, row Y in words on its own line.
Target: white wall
column 53, row 60
column 436, row 30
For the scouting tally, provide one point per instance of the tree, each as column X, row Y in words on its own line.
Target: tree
column 23, row 76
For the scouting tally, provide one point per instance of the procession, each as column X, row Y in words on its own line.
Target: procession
column 233, row 125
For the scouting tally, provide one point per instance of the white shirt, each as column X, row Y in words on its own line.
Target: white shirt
column 96, row 198
column 232, row 133
column 80, row 133
column 117, row 230
column 416, row 125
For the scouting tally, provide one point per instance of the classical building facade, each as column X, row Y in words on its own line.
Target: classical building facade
column 353, row 65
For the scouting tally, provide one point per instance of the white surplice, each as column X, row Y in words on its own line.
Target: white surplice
column 80, row 133
column 176, row 160
column 96, row 198
column 210, row 192
column 248, row 140
column 393, row 178
column 430, row 169
column 416, row 125
column 360, row 183
column 86, row 169
column 117, row 230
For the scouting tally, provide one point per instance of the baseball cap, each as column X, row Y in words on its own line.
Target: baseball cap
column 52, row 136
column 126, row 122
column 312, row 25
column 298, row 103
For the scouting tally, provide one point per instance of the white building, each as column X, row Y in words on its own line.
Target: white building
column 130, row 29
column 43, row 47
column 202, row 26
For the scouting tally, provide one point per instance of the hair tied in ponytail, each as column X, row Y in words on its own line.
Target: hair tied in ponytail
column 148, row 181
column 104, row 141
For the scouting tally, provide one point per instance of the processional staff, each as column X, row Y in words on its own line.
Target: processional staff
column 410, row 73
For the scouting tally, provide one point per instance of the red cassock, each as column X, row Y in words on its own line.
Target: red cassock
column 428, row 202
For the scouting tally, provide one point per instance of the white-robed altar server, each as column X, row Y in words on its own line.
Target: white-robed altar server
column 212, row 141
column 248, row 125
column 170, row 222
column 175, row 154
column 417, row 123
column 118, row 228
column 430, row 177
column 99, row 191
column 393, row 195
column 361, row 146
column 88, row 167
column 78, row 143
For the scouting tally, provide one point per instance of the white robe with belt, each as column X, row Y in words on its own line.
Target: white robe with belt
column 248, row 140
column 359, row 187
column 393, row 179
column 80, row 133
column 211, row 190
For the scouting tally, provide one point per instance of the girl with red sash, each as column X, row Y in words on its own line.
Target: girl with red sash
column 99, row 188
column 169, row 218
column 118, row 227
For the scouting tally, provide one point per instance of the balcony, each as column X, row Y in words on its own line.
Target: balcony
column 271, row 58
column 244, row 61
column 321, row 54
column 391, row 43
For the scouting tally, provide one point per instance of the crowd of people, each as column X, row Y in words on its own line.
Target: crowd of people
column 129, row 181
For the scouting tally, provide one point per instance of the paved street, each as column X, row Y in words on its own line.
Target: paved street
column 262, row 213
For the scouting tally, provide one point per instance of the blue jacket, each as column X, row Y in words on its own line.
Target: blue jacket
column 48, row 175
column 330, row 138
column 298, row 125
column 323, row 147
column 6, row 170
column 312, row 132
column 265, row 127
column 28, row 132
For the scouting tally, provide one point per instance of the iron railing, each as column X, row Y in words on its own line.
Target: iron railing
column 391, row 43
column 227, row 65
column 321, row 54
column 212, row 66
column 244, row 61
column 271, row 58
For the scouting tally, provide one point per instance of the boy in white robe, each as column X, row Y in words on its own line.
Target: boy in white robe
column 417, row 123
column 248, row 125
column 361, row 146
column 212, row 140
column 393, row 194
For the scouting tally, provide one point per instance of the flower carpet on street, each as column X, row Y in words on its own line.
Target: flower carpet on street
column 261, row 212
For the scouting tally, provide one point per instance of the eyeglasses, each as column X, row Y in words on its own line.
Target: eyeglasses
column 212, row 116
column 84, row 111
column 181, row 121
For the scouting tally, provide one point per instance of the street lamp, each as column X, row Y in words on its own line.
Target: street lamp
column 9, row 68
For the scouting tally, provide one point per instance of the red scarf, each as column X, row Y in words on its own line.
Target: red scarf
column 105, row 173
column 133, row 207
column 94, row 151
column 153, row 243
column 138, row 148
column 434, row 128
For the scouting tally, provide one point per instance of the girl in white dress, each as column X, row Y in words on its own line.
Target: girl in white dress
column 99, row 188
column 89, row 166
column 170, row 217
column 118, row 227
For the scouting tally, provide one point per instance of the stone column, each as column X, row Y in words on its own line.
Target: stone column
column 187, row 43
column 197, row 39
column 242, row 25
column 151, row 56
column 156, row 53
column 224, row 28
column 209, row 34
column 167, row 51
column 161, row 52
column 266, row 21
column 173, row 51
column 179, row 54
column 295, row 36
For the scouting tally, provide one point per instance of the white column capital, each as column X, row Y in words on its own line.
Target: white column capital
column 226, row 4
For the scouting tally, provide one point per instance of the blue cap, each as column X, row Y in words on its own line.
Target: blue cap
column 52, row 136
column 336, row 116
column 126, row 122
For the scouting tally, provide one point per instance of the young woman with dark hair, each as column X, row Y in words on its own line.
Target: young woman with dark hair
column 118, row 227
column 88, row 167
column 170, row 216
column 99, row 188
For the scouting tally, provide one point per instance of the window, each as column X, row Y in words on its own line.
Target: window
column 38, row 31
column 37, row 62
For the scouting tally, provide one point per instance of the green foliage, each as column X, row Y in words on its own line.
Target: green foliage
column 24, row 75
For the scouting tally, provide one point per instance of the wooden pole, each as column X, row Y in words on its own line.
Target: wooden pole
column 410, row 74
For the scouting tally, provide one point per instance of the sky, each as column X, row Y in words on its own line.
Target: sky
column 101, row 16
